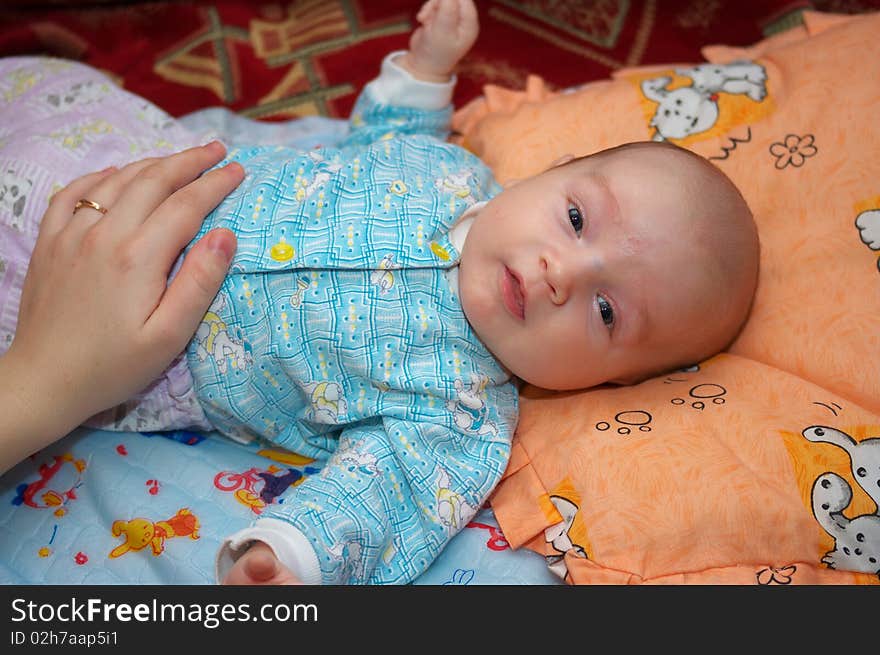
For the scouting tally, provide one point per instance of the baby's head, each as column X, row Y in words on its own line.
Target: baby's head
column 613, row 267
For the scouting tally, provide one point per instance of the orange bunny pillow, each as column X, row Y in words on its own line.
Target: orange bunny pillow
column 762, row 464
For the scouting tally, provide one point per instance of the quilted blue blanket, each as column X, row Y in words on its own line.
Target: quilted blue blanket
column 152, row 508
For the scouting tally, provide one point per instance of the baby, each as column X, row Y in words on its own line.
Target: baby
column 604, row 269
column 387, row 297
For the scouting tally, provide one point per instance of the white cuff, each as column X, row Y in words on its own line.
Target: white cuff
column 396, row 86
column 290, row 546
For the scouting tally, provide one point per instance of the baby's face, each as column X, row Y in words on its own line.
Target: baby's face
column 589, row 273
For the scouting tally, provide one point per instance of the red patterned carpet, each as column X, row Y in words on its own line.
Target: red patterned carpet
column 278, row 60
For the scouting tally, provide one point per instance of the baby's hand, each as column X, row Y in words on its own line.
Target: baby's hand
column 448, row 30
column 260, row 566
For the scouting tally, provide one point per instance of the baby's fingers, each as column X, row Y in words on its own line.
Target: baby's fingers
column 446, row 16
column 427, row 11
column 260, row 566
column 469, row 18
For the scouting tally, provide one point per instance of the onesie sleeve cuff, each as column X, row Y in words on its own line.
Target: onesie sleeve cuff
column 396, row 86
column 288, row 543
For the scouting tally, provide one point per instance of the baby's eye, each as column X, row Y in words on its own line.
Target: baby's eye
column 577, row 221
column 606, row 311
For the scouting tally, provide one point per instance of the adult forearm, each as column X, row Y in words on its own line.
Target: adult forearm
column 29, row 418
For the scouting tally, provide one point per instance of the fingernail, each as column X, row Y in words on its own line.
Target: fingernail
column 235, row 164
column 225, row 246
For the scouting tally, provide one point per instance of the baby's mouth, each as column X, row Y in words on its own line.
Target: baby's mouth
column 512, row 294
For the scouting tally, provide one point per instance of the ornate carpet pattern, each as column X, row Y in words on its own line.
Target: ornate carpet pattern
column 281, row 60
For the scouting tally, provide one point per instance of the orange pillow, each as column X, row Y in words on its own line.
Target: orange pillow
column 762, row 465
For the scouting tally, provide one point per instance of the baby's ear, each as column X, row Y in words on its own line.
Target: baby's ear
column 562, row 160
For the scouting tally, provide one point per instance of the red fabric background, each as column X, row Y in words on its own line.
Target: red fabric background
column 279, row 60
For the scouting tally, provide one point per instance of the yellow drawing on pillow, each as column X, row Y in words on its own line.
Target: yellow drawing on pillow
column 702, row 102
column 868, row 224
column 838, row 470
column 567, row 535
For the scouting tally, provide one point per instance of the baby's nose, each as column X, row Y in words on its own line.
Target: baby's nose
column 557, row 279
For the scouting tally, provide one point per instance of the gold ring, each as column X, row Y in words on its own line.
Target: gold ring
column 82, row 202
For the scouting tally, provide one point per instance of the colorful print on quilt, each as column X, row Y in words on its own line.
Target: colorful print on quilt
column 760, row 465
column 120, row 508
column 152, row 508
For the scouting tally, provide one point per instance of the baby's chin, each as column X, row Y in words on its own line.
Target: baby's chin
column 563, row 381
column 580, row 377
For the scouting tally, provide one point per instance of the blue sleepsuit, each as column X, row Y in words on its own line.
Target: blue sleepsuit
column 339, row 334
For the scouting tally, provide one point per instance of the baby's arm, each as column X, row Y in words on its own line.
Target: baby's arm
column 380, row 511
column 413, row 92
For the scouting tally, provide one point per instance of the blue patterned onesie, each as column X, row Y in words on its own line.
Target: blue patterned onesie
column 339, row 334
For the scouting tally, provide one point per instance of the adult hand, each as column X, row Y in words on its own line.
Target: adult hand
column 97, row 322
